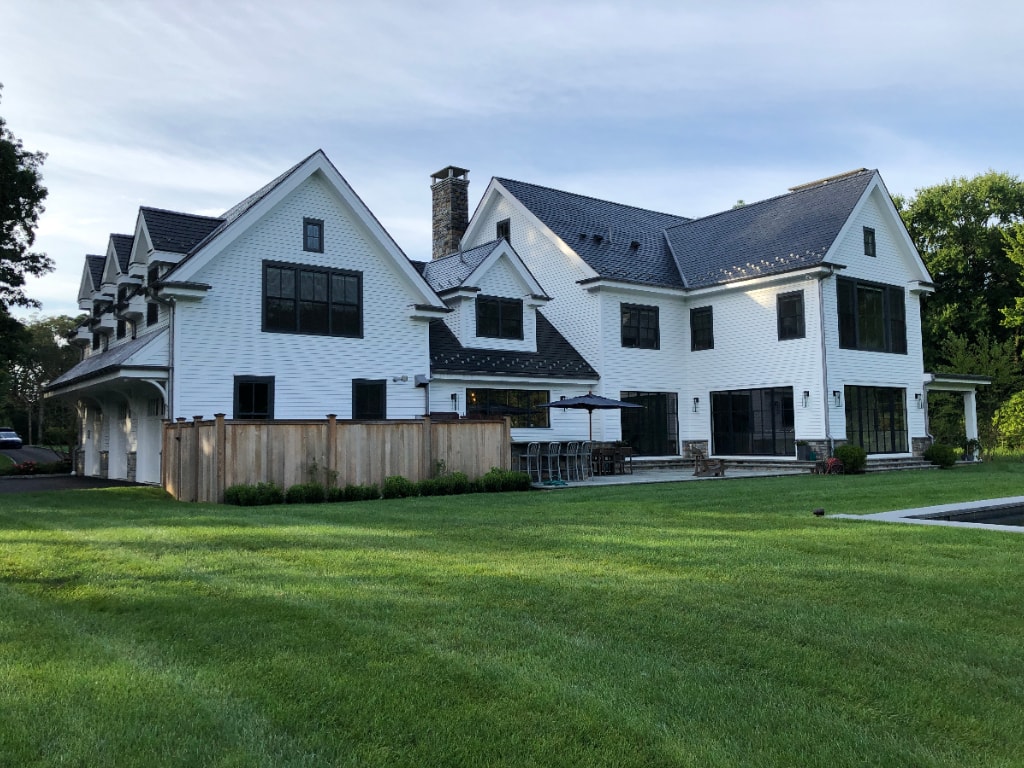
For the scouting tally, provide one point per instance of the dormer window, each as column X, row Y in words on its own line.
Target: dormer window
column 498, row 318
column 503, row 230
column 313, row 235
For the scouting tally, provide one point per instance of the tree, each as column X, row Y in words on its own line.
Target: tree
column 960, row 228
column 21, row 202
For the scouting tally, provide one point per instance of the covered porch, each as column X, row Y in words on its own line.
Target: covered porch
column 967, row 385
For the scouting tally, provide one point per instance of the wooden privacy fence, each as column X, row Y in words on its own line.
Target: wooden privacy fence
column 203, row 457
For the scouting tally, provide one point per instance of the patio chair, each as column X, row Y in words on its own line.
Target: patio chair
column 529, row 461
column 571, row 454
column 551, row 458
column 705, row 467
column 587, row 459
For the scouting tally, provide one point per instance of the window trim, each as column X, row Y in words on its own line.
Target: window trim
column 801, row 331
column 894, row 316
column 870, row 242
column 695, row 314
column 330, row 273
column 503, row 305
column 269, row 381
column 383, row 385
column 307, row 244
column 637, row 311
column 503, row 230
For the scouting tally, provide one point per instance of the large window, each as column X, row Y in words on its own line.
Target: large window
column 499, row 318
column 702, row 328
column 876, row 418
column 522, row 406
column 254, row 397
column 791, row 315
column 753, row 422
column 369, row 399
column 640, row 326
column 301, row 299
column 872, row 316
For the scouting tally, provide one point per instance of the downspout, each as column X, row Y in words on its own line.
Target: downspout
column 824, row 360
column 170, row 304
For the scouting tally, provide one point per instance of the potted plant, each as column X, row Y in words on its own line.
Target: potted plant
column 803, row 450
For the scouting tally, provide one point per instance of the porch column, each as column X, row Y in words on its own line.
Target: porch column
column 971, row 418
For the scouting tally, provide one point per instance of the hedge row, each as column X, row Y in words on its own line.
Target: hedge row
column 394, row 487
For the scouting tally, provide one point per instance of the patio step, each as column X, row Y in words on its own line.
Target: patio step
column 655, row 463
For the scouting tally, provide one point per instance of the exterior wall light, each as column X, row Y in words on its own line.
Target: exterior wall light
column 696, row 404
column 837, row 398
column 920, row 399
column 807, row 397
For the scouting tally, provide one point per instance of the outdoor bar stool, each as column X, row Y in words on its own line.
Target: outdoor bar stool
column 587, row 459
column 572, row 459
column 529, row 462
column 552, row 457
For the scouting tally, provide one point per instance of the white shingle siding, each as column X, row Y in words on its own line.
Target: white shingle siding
column 220, row 336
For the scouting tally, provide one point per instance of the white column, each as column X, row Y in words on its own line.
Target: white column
column 971, row 417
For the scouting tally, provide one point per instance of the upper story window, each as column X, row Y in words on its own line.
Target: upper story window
column 122, row 301
column 872, row 317
column 302, row 299
column 503, row 230
column 152, row 308
column 791, row 315
column 313, row 235
column 869, row 241
column 640, row 326
column 254, row 397
column 498, row 318
column 702, row 328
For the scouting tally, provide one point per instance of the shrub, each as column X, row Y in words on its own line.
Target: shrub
column 430, row 487
column 304, row 493
column 360, row 493
column 257, row 495
column 268, row 493
column 453, row 484
column 854, row 458
column 397, row 487
column 334, row 494
column 504, row 480
column 941, row 454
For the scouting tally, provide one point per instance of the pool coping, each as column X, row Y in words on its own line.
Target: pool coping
column 911, row 515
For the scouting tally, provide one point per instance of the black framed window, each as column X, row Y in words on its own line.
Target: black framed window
column 872, row 317
column 122, row 303
column 95, row 341
column 702, row 328
column 522, row 406
column 254, row 397
column 152, row 313
column 301, row 299
column 498, row 318
column 503, row 230
column 754, row 422
column 313, row 235
column 791, row 315
column 876, row 418
column 369, row 399
column 640, row 327
column 869, row 241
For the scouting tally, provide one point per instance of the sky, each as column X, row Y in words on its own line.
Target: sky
column 679, row 106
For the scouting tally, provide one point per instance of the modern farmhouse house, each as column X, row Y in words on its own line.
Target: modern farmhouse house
column 794, row 319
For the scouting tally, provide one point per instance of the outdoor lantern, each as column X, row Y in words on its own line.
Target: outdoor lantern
column 837, row 398
column 919, row 399
column 696, row 402
column 807, row 397
column 455, row 401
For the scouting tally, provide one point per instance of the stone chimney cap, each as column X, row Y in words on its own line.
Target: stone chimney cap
column 451, row 172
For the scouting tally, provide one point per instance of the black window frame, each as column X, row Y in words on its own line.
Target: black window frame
column 890, row 333
column 503, row 230
column 522, row 406
column 360, row 406
column 152, row 313
column 253, row 414
column 870, row 242
column 702, row 332
column 791, row 324
column 122, row 301
column 640, row 326
column 313, row 240
column 753, row 422
column 343, row 317
column 504, row 327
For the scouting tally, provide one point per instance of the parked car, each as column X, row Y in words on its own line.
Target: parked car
column 9, row 438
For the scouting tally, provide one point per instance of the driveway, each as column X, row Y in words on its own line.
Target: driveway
column 30, row 453
column 33, row 483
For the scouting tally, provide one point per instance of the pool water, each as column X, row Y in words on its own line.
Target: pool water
column 1005, row 515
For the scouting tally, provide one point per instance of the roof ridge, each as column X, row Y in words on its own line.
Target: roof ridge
column 595, row 199
column 791, row 192
column 177, row 213
column 489, row 244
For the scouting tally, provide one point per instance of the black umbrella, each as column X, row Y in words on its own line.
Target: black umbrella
column 590, row 402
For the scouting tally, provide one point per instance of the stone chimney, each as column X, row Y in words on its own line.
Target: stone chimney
column 450, row 189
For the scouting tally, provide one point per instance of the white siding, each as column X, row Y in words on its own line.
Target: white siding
column 220, row 336
column 501, row 280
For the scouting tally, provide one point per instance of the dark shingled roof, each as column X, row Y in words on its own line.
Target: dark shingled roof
column 177, row 232
column 450, row 271
column 95, row 264
column 556, row 358
column 123, row 249
column 238, row 209
column 109, row 360
column 603, row 233
column 791, row 231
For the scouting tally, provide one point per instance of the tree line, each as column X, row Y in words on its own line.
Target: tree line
column 970, row 233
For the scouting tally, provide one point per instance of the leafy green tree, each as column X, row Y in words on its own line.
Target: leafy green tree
column 960, row 228
column 1014, row 316
column 1008, row 422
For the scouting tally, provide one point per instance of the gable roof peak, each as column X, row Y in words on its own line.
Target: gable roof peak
column 829, row 179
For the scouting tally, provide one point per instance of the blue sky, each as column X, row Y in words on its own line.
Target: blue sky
column 684, row 107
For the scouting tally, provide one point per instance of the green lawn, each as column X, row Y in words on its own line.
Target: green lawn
column 695, row 624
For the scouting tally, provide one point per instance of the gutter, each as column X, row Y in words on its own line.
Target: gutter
column 170, row 303
column 824, row 360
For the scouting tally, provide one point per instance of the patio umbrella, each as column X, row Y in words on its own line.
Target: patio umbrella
column 590, row 402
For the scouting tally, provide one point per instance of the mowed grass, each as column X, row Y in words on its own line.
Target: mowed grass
column 694, row 624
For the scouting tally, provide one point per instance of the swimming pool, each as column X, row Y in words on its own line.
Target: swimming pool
column 1006, row 514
